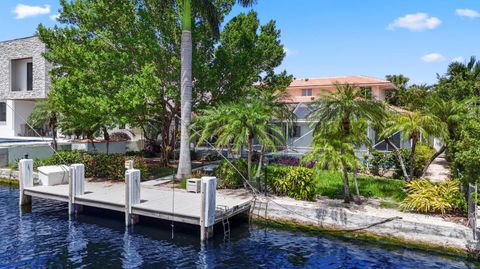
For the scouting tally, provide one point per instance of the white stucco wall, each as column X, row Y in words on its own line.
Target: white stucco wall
column 22, row 112
column 7, row 128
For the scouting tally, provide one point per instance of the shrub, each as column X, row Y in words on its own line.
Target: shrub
column 298, row 183
column 109, row 166
column 427, row 197
column 69, row 157
column 292, row 161
column 275, row 172
column 287, row 160
column 380, row 162
column 228, row 176
column 423, row 153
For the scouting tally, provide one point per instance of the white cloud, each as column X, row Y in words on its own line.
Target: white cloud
column 465, row 12
column 433, row 58
column 54, row 17
column 290, row 52
column 24, row 11
column 459, row 59
column 415, row 22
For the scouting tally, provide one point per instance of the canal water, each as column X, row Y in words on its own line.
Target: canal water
column 46, row 238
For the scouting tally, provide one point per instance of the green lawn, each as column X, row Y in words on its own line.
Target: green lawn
column 330, row 184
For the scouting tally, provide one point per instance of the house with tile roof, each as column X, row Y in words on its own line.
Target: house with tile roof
column 302, row 92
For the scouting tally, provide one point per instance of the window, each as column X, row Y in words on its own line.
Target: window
column 29, row 76
column 295, row 131
column 3, row 111
column 366, row 92
column 306, row 92
column 21, row 74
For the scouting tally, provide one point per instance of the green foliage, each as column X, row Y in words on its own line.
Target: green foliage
column 228, row 176
column 423, row 153
column 298, row 183
column 339, row 120
column 101, row 165
column 427, row 197
column 329, row 183
column 238, row 123
column 380, row 162
column 467, row 149
column 68, row 157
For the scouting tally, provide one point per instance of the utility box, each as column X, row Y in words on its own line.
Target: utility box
column 53, row 175
column 194, row 185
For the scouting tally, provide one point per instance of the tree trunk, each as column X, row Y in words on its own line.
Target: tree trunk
column 347, row 196
column 184, row 164
column 106, row 136
column 412, row 156
column 260, row 161
column 355, row 171
column 249, row 158
column 430, row 161
column 54, row 130
column 400, row 159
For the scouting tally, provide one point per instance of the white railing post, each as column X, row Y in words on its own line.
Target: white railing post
column 76, row 186
column 25, row 167
column 208, row 208
column 132, row 195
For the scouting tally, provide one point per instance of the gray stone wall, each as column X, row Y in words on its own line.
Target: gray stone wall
column 29, row 47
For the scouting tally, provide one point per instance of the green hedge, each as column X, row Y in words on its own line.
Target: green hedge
column 99, row 165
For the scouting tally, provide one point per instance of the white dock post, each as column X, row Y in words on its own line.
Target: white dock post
column 25, row 167
column 132, row 195
column 76, row 187
column 208, row 208
column 129, row 164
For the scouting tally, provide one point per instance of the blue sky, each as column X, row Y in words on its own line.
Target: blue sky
column 417, row 38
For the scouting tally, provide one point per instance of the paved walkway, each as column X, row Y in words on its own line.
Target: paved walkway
column 438, row 171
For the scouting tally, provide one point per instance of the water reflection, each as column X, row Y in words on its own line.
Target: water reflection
column 131, row 257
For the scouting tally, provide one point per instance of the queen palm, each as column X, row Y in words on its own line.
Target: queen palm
column 414, row 126
column 450, row 112
column 237, row 124
column 339, row 111
column 209, row 12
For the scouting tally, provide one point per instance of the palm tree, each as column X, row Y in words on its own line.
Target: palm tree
column 208, row 10
column 414, row 126
column 337, row 113
column 450, row 112
column 237, row 124
column 335, row 150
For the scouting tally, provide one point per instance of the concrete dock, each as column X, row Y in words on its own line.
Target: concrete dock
column 156, row 203
column 68, row 185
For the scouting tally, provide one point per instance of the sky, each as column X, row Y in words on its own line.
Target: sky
column 416, row 38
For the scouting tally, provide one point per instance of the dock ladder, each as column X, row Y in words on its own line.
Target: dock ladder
column 223, row 209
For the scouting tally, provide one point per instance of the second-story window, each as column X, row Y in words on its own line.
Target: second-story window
column 3, row 112
column 306, row 92
column 29, row 76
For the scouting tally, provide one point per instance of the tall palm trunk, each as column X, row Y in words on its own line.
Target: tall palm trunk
column 184, row 164
column 250, row 157
column 347, row 196
column 412, row 155
column 260, row 161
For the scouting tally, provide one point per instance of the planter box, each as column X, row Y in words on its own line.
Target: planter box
column 100, row 147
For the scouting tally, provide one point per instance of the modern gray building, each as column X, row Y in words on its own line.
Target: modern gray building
column 24, row 80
